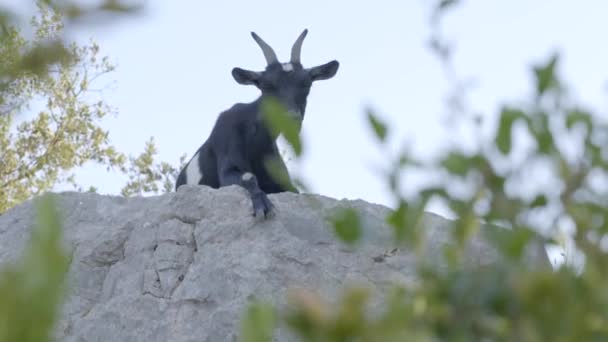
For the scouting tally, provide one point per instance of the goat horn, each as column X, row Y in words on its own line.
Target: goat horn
column 296, row 49
column 271, row 57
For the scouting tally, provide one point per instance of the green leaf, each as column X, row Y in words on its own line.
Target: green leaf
column 397, row 219
column 545, row 142
column 347, row 225
column 456, row 163
column 465, row 226
column 279, row 121
column 508, row 116
column 119, row 6
column 407, row 218
column 511, row 242
column 539, row 129
column 539, row 201
column 41, row 56
column 278, row 172
column 258, row 323
column 545, row 75
column 379, row 127
column 431, row 192
column 576, row 116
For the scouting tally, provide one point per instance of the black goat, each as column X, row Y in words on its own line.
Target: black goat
column 240, row 144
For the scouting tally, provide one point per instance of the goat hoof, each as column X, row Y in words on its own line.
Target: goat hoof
column 262, row 207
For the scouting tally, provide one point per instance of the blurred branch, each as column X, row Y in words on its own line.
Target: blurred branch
column 40, row 57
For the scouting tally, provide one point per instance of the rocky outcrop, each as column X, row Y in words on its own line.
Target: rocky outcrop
column 182, row 266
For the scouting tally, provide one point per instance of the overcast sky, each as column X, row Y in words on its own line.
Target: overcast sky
column 174, row 63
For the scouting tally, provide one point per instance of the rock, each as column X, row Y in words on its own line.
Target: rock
column 182, row 266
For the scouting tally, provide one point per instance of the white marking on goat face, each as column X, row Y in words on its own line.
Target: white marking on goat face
column 287, row 67
column 247, row 176
column 193, row 173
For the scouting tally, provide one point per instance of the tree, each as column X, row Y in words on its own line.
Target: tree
column 39, row 152
column 66, row 133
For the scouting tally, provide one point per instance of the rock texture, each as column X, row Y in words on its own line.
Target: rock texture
column 182, row 266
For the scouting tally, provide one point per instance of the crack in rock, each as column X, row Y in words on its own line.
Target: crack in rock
column 382, row 257
column 172, row 256
column 152, row 284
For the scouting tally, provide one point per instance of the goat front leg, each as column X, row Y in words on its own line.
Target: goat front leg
column 262, row 207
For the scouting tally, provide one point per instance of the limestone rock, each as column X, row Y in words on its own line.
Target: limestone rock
column 182, row 266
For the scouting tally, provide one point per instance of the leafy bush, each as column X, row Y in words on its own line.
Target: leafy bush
column 512, row 301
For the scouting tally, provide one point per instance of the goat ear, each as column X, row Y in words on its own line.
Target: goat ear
column 245, row 77
column 324, row 72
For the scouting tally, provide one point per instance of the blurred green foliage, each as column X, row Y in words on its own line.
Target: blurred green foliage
column 347, row 224
column 37, row 153
column 32, row 288
column 280, row 123
column 41, row 54
column 258, row 322
column 512, row 300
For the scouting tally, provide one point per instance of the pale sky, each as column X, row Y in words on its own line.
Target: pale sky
column 174, row 62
